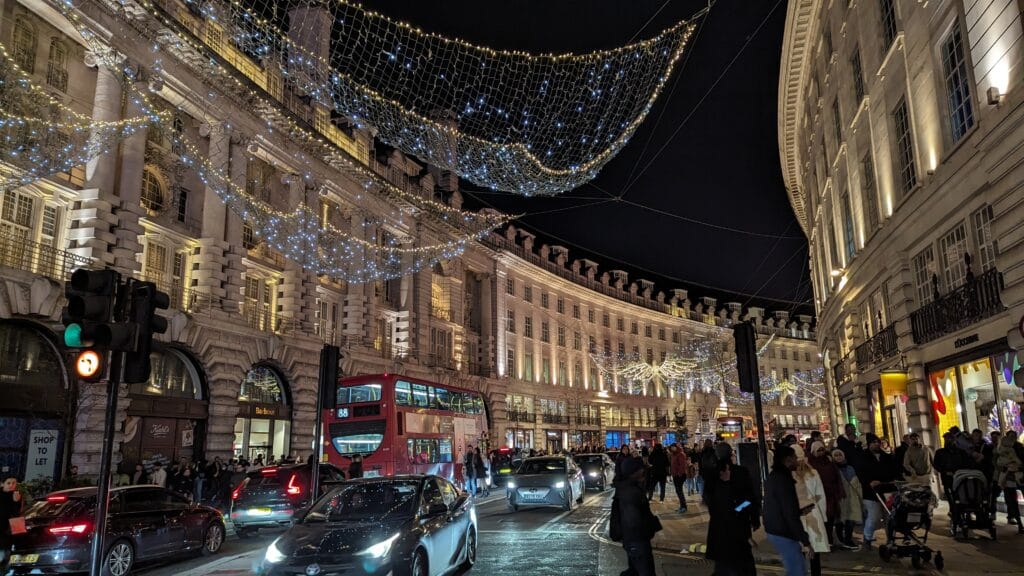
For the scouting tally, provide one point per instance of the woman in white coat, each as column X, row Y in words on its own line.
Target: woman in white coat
column 811, row 493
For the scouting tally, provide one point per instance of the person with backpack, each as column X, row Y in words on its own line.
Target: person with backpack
column 632, row 521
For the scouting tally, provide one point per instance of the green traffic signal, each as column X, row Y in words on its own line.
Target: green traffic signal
column 73, row 336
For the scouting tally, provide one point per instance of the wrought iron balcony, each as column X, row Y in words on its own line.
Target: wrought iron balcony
column 878, row 348
column 840, row 372
column 588, row 420
column 973, row 302
column 442, row 360
column 554, row 418
column 521, row 416
column 23, row 254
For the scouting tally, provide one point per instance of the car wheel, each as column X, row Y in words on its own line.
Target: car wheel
column 213, row 538
column 470, row 550
column 119, row 559
column 419, row 564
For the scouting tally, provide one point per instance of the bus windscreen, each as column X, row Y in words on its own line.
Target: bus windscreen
column 357, row 437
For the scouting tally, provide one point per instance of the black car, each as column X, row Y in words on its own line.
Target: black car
column 270, row 497
column 145, row 523
column 417, row 525
column 503, row 464
column 598, row 469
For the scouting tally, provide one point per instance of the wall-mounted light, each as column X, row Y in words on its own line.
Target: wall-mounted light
column 836, row 272
column 994, row 96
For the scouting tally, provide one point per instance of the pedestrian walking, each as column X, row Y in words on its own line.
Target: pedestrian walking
column 679, row 468
column 851, row 511
column 917, row 461
column 624, row 453
column 782, row 513
column 734, row 507
column 355, row 469
column 810, row 493
column 636, row 524
column 876, row 474
column 832, row 482
column 659, row 464
column 11, row 507
column 481, row 471
column 1009, row 465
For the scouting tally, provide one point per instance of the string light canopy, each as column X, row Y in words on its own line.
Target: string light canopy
column 524, row 123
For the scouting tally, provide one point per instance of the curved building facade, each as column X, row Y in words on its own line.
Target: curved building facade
column 899, row 134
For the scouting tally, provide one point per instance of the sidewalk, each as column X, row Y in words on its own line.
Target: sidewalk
column 686, row 534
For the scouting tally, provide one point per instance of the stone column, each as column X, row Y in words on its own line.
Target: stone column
column 87, row 439
column 355, row 299
column 133, row 164
column 225, row 368
column 101, row 171
column 210, row 275
column 235, row 251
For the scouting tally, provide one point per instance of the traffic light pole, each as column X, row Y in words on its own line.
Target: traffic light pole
column 326, row 385
column 762, row 444
column 103, row 482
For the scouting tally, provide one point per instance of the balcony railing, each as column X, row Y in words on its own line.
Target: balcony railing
column 22, row 254
column 554, row 419
column 879, row 347
column 261, row 317
column 840, row 372
column 973, row 302
column 521, row 416
column 439, row 361
column 588, row 420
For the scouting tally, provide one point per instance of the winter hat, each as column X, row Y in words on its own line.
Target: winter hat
column 631, row 466
column 837, row 454
column 816, row 446
column 799, row 452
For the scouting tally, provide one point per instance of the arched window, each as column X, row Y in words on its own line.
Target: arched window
column 25, row 44
column 57, row 66
column 262, row 385
column 152, row 198
column 173, row 375
column 263, row 427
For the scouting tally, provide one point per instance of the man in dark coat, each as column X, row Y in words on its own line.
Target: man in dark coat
column 659, row 471
column 735, row 510
column 782, row 512
column 849, row 445
column 638, row 523
column 876, row 472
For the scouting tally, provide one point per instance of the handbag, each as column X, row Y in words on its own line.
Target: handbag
column 17, row 525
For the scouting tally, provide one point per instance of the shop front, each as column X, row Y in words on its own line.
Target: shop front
column 263, row 425
column 887, row 406
column 33, row 414
column 167, row 415
column 585, row 438
column 614, row 439
column 976, row 392
column 555, row 440
column 519, row 438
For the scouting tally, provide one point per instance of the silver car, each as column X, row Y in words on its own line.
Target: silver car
column 546, row 481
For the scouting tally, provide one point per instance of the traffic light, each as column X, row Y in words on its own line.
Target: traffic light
column 746, row 356
column 90, row 307
column 145, row 301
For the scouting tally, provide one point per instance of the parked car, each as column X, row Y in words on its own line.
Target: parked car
column 546, row 481
column 145, row 523
column 416, row 525
column 598, row 469
column 270, row 497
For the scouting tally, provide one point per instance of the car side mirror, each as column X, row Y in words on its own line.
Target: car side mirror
column 437, row 509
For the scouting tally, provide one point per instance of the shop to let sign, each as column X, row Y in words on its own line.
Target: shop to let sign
column 42, row 454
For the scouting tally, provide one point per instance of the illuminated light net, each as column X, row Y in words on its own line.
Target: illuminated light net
column 40, row 137
column 511, row 121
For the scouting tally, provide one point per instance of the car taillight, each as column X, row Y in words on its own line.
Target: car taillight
column 77, row 528
column 237, row 492
column 269, row 471
column 293, row 488
column 56, row 498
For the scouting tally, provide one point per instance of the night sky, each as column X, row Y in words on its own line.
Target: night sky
column 720, row 168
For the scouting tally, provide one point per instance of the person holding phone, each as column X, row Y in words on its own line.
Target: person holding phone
column 735, row 510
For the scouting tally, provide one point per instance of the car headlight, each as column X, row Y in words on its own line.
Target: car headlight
column 511, row 485
column 273, row 554
column 560, row 484
column 380, row 549
column 592, row 474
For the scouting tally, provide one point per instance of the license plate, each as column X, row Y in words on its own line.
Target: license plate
column 24, row 558
column 259, row 511
column 533, row 495
column 371, row 474
column 914, row 517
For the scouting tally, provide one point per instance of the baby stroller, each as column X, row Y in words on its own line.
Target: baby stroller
column 908, row 519
column 969, row 504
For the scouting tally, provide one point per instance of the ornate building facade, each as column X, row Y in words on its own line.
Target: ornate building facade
column 236, row 372
column 899, row 133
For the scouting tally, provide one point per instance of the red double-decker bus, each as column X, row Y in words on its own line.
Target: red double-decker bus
column 403, row 425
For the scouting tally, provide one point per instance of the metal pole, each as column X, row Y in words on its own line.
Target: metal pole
column 106, row 455
column 762, row 444
column 329, row 356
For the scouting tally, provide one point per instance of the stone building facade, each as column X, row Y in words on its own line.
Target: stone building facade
column 900, row 139
column 236, row 372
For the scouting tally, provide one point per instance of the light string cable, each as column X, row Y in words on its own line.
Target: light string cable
column 41, row 137
column 506, row 120
column 342, row 256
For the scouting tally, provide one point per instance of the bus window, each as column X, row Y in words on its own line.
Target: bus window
column 443, row 398
column 357, row 437
column 457, row 402
column 403, row 393
column 446, row 450
column 478, row 405
column 419, row 396
column 355, row 394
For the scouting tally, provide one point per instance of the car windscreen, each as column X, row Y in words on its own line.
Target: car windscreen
column 547, row 466
column 590, row 460
column 373, row 501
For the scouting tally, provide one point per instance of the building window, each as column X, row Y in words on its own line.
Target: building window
column 561, row 336
column 510, row 362
column 57, row 66
column 837, row 123
column 952, row 248
column 907, row 176
column 869, row 191
column 675, row 337
column 958, row 91
column 545, row 332
column 636, row 351
column 807, row 356
column 888, row 13
column 924, row 268
column 510, row 286
column 577, row 341
column 545, row 370
column 633, row 328
column 620, row 324
column 560, row 305
column 563, row 373
column 17, row 208
column 528, row 293
column 440, row 295
column 576, row 311
column 661, row 334
column 528, row 327
column 987, row 250
column 544, row 300
column 783, row 354
column 577, row 374
column 182, row 205
column 848, row 236
column 649, row 357
column 606, row 320
column 528, row 367
column 622, row 348
column 510, row 321
column 152, row 191
column 858, row 75
column 248, row 236
column 25, row 45
column 590, row 316
column 647, row 331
